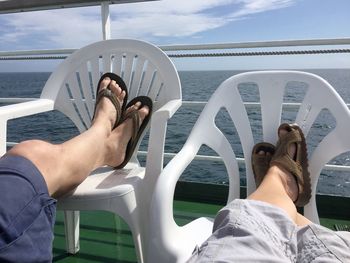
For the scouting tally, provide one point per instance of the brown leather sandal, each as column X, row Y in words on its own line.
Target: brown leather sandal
column 261, row 162
column 137, row 128
column 297, row 166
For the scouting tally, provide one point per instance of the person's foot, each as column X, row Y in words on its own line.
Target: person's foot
column 105, row 111
column 291, row 162
column 118, row 140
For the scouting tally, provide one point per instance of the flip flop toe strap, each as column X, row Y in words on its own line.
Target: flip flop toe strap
column 112, row 97
column 134, row 115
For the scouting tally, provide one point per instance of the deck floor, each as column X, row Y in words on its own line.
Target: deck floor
column 104, row 237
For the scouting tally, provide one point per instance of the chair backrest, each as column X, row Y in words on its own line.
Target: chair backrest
column 271, row 87
column 145, row 69
column 319, row 96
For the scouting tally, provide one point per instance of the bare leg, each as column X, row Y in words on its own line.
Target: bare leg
column 279, row 188
column 65, row 166
column 274, row 190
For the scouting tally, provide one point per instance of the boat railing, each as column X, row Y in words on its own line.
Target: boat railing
column 196, row 104
column 264, row 48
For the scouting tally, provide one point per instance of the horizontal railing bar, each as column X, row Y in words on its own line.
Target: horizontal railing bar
column 260, row 53
column 213, row 46
column 330, row 167
column 202, row 54
column 33, row 57
column 16, row 100
column 194, row 104
column 259, row 44
column 38, row 52
column 197, row 104
column 198, row 157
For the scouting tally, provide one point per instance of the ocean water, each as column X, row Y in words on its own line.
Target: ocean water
column 197, row 85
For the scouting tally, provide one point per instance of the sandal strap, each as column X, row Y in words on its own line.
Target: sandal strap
column 282, row 158
column 297, row 166
column 112, row 97
column 134, row 115
column 288, row 164
column 289, row 138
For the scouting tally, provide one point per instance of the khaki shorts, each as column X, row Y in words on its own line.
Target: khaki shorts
column 254, row 231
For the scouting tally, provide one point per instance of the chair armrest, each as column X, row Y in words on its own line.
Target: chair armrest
column 156, row 142
column 162, row 223
column 20, row 110
column 167, row 110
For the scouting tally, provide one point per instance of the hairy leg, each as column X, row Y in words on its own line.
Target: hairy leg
column 274, row 190
column 66, row 165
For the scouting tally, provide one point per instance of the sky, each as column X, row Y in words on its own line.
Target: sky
column 185, row 22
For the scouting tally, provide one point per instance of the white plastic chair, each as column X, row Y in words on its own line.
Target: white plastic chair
column 172, row 243
column 71, row 89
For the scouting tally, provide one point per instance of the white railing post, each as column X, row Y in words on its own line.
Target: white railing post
column 106, row 22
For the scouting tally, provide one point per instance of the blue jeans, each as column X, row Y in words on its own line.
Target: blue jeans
column 27, row 212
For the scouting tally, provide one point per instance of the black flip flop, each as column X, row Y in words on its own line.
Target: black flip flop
column 138, row 129
column 111, row 96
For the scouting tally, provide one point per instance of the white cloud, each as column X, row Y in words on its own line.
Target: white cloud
column 257, row 6
column 182, row 18
column 76, row 27
column 64, row 28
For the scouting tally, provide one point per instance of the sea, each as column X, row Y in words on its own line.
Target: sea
column 198, row 86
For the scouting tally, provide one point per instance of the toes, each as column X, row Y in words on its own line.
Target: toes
column 134, row 107
column 263, row 153
column 143, row 112
column 116, row 89
column 104, row 83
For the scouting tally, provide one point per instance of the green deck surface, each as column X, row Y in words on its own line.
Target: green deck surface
column 104, row 237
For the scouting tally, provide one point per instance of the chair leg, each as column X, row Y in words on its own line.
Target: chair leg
column 131, row 219
column 137, row 242
column 71, row 226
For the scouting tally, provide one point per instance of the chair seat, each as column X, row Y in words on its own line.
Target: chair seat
column 104, row 183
